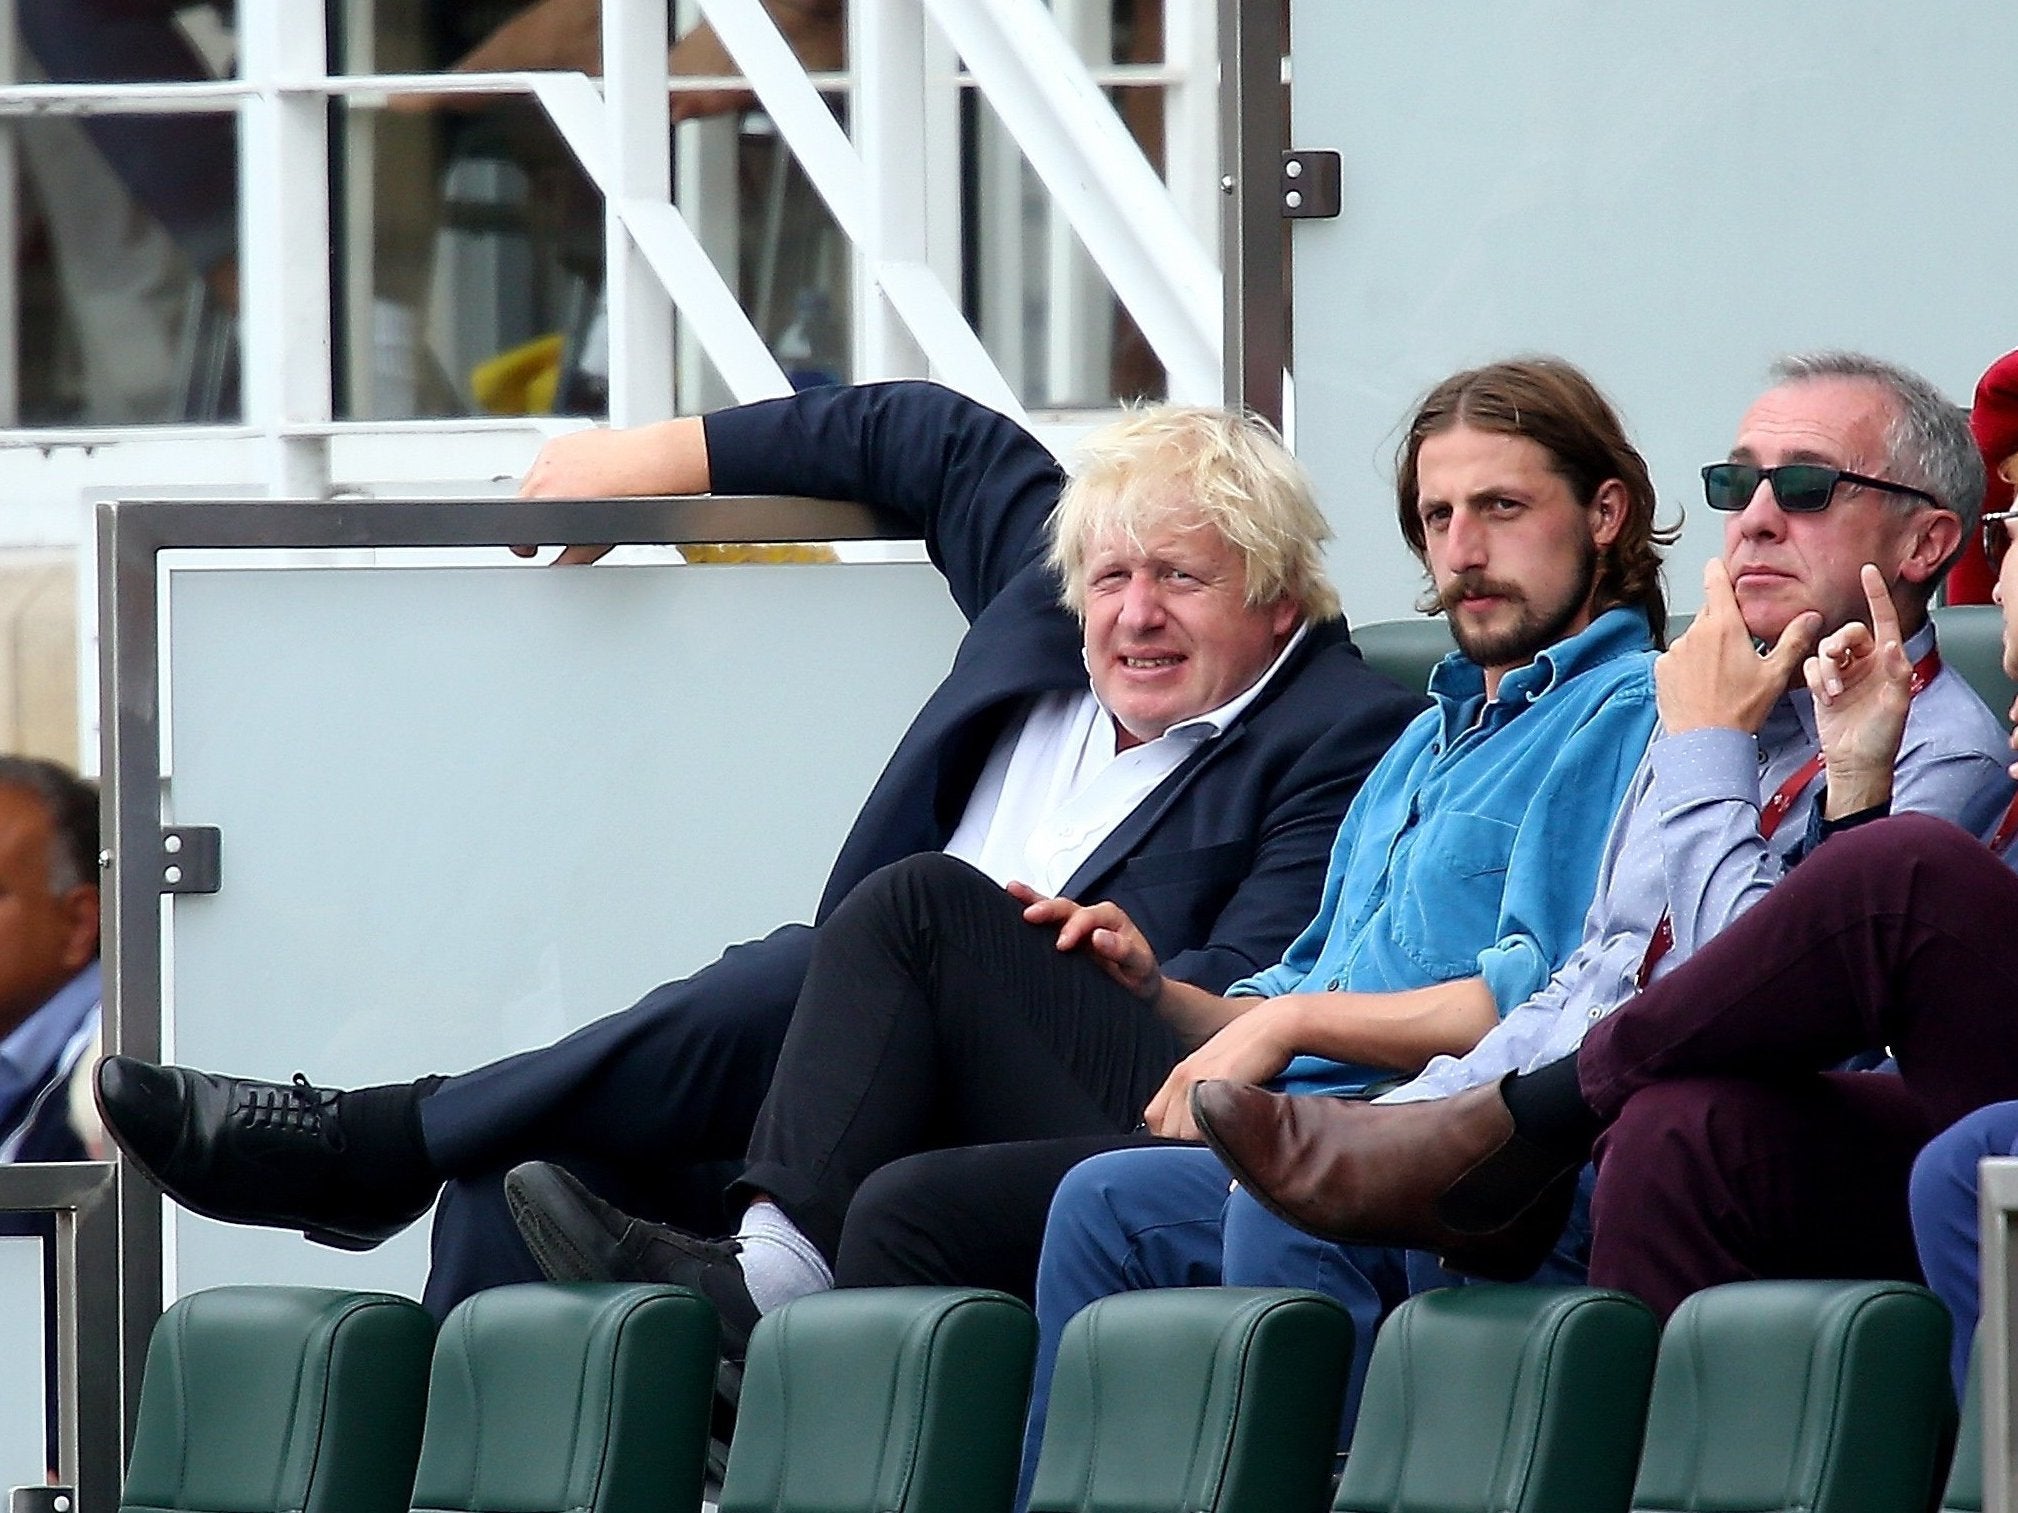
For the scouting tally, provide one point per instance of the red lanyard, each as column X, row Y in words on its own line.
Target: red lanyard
column 2007, row 827
column 1776, row 809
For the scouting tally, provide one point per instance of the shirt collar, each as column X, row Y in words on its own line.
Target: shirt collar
column 1214, row 721
column 34, row 1045
column 1614, row 633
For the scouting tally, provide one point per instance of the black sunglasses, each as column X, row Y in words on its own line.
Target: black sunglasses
column 1997, row 536
column 1801, row 488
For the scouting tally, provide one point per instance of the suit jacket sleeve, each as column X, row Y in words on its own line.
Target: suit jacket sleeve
column 976, row 486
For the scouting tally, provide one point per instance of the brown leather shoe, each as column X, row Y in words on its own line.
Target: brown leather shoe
column 1372, row 1174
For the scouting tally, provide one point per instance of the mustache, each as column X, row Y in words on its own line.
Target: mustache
column 1471, row 584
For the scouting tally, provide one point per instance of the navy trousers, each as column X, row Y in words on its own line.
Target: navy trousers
column 1945, row 1231
column 652, row 1107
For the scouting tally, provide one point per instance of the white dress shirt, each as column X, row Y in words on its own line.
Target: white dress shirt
column 1054, row 787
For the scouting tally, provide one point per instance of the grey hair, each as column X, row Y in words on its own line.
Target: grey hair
column 1927, row 440
column 72, row 807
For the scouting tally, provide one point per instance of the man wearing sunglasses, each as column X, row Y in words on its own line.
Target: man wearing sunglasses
column 1846, row 461
column 1730, row 1141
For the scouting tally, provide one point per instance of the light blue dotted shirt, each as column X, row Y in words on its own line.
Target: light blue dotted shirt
column 1687, row 844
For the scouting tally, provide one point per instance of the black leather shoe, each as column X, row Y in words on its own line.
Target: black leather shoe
column 577, row 1237
column 246, row 1152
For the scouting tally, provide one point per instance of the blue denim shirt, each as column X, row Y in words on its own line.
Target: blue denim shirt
column 1473, row 848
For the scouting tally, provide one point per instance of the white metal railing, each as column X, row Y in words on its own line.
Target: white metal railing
column 893, row 190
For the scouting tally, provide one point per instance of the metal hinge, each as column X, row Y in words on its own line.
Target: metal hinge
column 189, row 858
column 1311, row 184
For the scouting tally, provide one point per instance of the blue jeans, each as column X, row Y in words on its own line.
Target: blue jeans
column 1943, row 1202
column 1162, row 1217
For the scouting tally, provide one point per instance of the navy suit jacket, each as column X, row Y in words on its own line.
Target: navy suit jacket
column 1224, row 862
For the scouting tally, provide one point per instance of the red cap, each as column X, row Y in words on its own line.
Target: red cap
column 1994, row 421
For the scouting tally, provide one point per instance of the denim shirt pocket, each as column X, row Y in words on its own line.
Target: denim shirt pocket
column 1449, row 909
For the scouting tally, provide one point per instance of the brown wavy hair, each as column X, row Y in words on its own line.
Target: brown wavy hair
column 1553, row 404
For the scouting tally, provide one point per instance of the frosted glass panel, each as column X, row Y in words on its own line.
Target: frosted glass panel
column 466, row 810
column 23, row 1449
column 1669, row 195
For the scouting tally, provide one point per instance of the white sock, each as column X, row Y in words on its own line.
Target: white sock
column 779, row 1262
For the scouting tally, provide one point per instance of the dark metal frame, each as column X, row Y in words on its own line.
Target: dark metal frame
column 1253, row 133
column 79, row 1194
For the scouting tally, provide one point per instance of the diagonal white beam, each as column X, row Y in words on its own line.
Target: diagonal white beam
column 638, row 305
column 662, row 235
column 836, row 170
column 705, row 299
column 668, row 243
column 575, row 106
column 1079, row 148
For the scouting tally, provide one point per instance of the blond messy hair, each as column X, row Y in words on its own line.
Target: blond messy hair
column 1167, row 464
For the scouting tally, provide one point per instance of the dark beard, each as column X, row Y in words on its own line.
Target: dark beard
column 1537, row 629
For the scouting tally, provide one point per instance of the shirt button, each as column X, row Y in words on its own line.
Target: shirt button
column 1597, row 1013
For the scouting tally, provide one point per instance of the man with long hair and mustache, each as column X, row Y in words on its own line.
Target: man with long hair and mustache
column 1457, row 882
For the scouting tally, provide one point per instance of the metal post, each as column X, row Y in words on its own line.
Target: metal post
column 1253, row 132
column 1191, row 114
column 1078, row 310
column 90, row 1437
column 130, row 811
column 1997, row 1339
column 895, row 121
column 283, row 242
column 639, row 152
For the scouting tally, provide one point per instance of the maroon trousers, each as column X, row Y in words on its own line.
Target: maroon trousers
column 1729, row 1154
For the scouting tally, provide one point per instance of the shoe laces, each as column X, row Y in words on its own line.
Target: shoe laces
column 294, row 1108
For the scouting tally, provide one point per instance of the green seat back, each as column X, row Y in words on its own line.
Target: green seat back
column 1971, row 638
column 1827, row 1397
column 1195, row 1400
column 1490, row 1399
column 280, row 1400
column 883, row 1400
column 583, row 1398
column 1405, row 650
column 1965, row 1473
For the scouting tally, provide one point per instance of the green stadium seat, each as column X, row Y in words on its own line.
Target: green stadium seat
column 883, row 1400
column 584, row 1398
column 1195, row 1400
column 1964, row 1493
column 280, row 1400
column 1971, row 638
column 1827, row 1397
column 1503, row 1399
column 1405, row 650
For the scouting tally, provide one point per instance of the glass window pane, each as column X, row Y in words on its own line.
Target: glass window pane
column 791, row 263
column 468, row 263
column 1044, row 310
column 125, row 41
column 127, row 269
